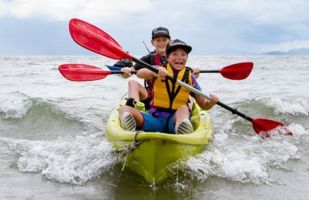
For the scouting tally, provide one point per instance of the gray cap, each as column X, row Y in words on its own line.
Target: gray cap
column 160, row 31
column 174, row 44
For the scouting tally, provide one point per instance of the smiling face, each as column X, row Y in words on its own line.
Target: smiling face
column 160, row 44
column 178, row 58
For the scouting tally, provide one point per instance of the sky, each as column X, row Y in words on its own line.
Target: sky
column 211, row 27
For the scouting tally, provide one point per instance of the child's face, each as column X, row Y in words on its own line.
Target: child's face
column 160, row 44
column 178, row 58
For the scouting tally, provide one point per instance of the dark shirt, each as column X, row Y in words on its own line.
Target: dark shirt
column 151, row 60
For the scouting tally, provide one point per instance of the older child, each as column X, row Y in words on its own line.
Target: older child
column 169, row 110
column 137, row 92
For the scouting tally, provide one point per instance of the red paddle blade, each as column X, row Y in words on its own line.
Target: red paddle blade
column 264, row 125
column 237, row 71
column 82, row 72
column 96, row 40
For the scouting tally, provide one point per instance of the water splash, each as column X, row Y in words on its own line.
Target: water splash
column 73, row 161
column 235, row 166
column 15, row 105
column 245, row 160
column 295, row 107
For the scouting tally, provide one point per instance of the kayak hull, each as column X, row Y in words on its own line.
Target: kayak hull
column 156, row 153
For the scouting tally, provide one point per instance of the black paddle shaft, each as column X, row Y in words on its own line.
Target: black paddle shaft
column 121, row 72
column 234, row 111
column 209, row 71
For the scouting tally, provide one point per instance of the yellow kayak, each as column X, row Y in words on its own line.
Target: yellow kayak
column 152, row 154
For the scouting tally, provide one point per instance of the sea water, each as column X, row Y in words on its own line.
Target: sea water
column 53, row 146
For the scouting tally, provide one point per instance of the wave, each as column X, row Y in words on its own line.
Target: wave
column 17, row 106
column 26, row 117
column 252, row 161
column 82, row 159
column 292, row 113
column 275, row 106
column 238, row 156
column 295, row 107
column 287, row 111
column 67, row 161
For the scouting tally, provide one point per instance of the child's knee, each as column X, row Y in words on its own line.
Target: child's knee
column 123, row 109
column 183, row 108
column 132, row 83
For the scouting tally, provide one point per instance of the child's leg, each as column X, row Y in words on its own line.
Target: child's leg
column 136, row 90
column 138, row 117
column 182, row 122
column 181, row 114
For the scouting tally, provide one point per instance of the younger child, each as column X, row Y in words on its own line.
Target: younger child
column 169, row 111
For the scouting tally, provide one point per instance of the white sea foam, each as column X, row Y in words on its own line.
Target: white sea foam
column 75, row 161
column 295, row 107
column 234, row 165
column 297, row 129
column 15, row 105
column 246, row 163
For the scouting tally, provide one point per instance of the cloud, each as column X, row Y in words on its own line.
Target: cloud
column 62, row 10
column 259, row 11
column 260, row 25
column 210, row 26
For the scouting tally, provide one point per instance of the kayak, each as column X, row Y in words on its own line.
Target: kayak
column 153, row 154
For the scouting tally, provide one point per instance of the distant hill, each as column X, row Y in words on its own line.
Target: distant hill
column 301, row 51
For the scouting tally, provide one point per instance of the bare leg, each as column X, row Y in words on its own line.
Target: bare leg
column 136, row 91
column 181, row 114
column 136, row 114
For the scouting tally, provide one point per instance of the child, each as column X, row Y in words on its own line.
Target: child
column 169, row 110
column 137, row 92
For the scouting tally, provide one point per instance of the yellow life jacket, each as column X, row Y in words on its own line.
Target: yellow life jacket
column 170, row 95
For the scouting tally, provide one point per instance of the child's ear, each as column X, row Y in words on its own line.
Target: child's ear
column 152, row 42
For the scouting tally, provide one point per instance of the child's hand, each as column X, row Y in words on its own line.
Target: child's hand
column 162, row 73
column 126, row 71
column 213, row 99
column 196, row 72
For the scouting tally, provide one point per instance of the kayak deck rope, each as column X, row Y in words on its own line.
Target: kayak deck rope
column 124, row 151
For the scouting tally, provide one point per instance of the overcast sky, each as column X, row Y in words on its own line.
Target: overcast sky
column 211, row 27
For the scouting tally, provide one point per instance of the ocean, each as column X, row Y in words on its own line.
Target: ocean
column 52, row 142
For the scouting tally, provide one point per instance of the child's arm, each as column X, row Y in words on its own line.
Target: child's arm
column 204, row 103
column 146, row 74
column 196, row 72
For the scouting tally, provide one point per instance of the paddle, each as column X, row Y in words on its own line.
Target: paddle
column 237, row 71
column 83, row 72
column 100, row 42
column 146, row 46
